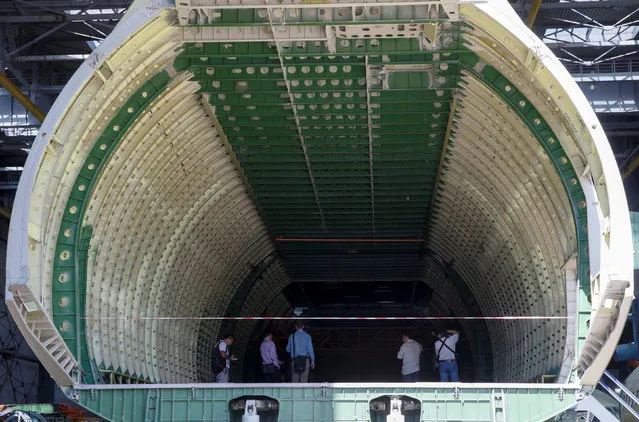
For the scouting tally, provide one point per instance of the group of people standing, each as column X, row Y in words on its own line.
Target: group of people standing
column 445, row 357
column 300, row 349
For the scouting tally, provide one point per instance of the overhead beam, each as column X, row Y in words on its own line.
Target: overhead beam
column 46, row 89
column 7, row 84
column 605, row 77
column 60, row 18
column 8, row 186
column 629, row 157
column 532, row 15
column 51, row 58
column 38, row 38
column 590, row 44
column 16, row 73
column 4, row 61
column 595, row 4
column 612, row 97
column 58, row 5
column 356, row 279
column 68, row 20
column 84, row 35
column 611, row 133
column 611, row 126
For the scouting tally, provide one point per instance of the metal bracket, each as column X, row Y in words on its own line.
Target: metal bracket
column 76, row 375
column 605, row 225
column 72, row 393
column 452, row 10
column 395, row 414
column 95, row 59
column 561, row 394
column 456, row 393
column 250, row 412
column 586, row 172
column 583, row 393
column 331, row 39
column 194, row 392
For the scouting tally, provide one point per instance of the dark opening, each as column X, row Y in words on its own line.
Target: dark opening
column 360, row 350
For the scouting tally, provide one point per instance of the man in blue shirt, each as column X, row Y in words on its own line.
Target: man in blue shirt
column 300, row 346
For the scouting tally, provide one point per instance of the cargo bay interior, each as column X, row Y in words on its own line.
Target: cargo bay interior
column 325, row 178
column 371, row 178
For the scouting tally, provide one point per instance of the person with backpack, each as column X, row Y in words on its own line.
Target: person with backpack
column 222, row 359
column 409, row 354
column 445, row 356
column 300, row 347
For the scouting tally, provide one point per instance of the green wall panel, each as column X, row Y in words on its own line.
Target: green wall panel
column 330, row 402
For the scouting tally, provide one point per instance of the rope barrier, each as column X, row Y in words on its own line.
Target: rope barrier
column 342, row 318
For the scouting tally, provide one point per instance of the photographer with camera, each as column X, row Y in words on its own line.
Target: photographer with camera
column 445, row 355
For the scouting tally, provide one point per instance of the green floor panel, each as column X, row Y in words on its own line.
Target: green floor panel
column 329, row 402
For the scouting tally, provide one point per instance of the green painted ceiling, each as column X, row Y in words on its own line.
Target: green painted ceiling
column 303, row 141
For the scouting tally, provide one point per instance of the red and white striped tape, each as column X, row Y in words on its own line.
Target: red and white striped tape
column 346, row 318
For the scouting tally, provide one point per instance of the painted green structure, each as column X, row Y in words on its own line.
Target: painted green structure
column 331, row 402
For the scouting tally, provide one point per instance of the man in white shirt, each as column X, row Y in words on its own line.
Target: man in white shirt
column 445, row 355
column 409, row 355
